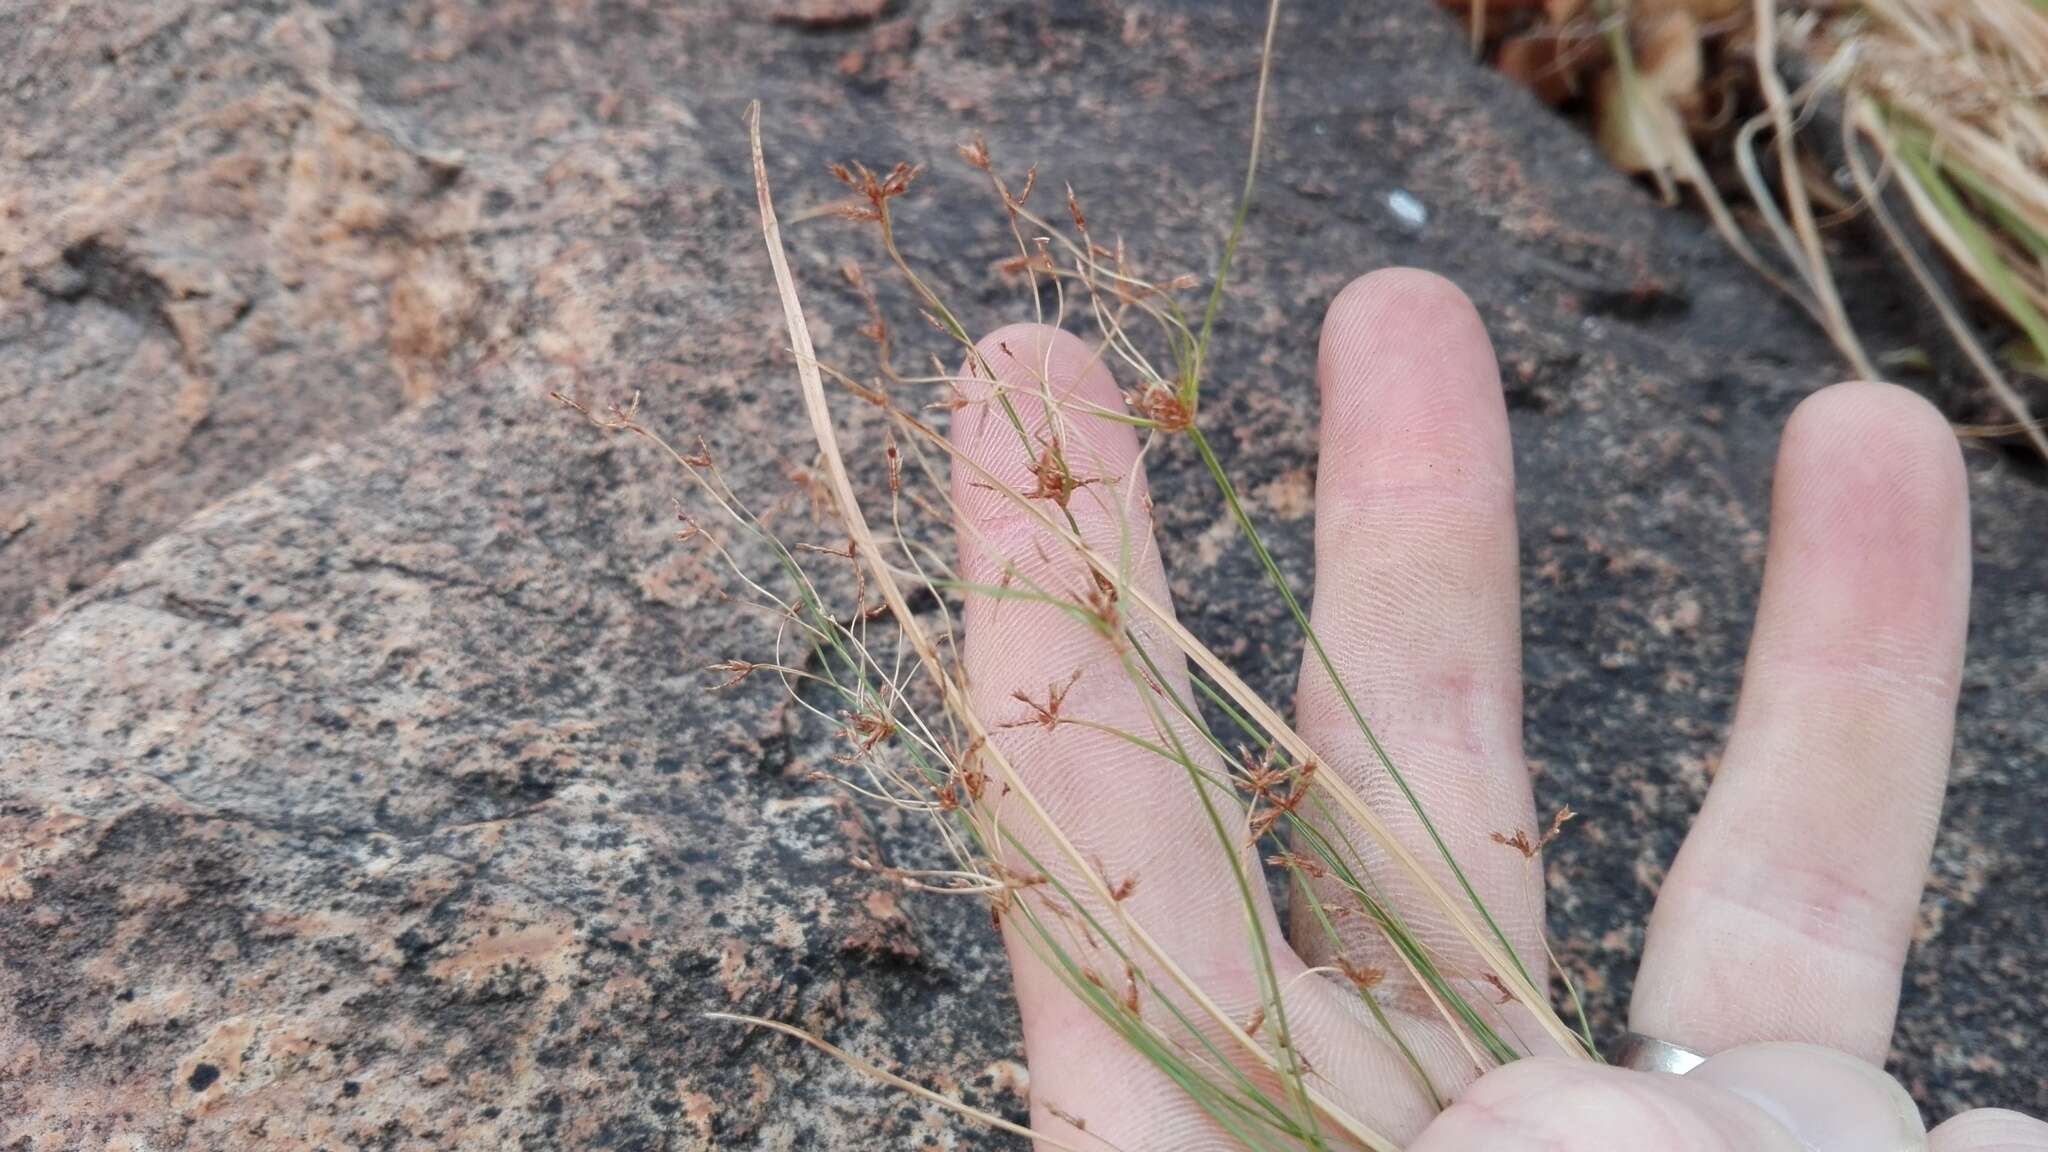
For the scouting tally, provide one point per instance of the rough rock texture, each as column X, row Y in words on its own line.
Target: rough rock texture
column 382, row 804
column 212, row 260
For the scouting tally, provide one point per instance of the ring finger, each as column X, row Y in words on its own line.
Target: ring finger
column 1788, row 912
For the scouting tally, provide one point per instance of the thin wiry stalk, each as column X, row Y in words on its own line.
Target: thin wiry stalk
column 1244, row 206
column 1278, row 580
column 1390, row 926
column 1260, row 948
column 890, row 1078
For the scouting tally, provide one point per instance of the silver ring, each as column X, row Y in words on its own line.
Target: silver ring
column 1649, row 1054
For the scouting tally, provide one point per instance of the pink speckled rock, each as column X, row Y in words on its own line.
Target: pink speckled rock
column 377, row 799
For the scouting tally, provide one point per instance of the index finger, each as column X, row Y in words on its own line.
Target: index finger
column 1059, row 701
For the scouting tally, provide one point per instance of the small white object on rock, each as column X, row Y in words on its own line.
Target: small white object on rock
column 1407, row 209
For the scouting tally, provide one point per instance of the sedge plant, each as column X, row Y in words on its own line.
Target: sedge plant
column 868, row 646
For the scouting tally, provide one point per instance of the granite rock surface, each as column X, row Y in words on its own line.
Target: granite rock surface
column 360, row 786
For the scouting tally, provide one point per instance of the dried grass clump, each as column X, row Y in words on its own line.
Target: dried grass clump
column 1950, row 92
column 1932, row 104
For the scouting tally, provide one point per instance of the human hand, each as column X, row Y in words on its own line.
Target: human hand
column 1787, row 914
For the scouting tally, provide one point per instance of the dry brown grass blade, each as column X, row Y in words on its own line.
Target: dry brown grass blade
column 870, row 1068
column 1811, row 258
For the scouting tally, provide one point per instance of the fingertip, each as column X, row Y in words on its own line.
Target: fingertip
column 1028, row 356
column 1542, row 1104
column 1870, row 513
column 1413, row 294
column 1990, row 1130
column 1831, row 1101
column 1408, row 380
column 1048, row 384
column 1867, row 403
column 1875, row 451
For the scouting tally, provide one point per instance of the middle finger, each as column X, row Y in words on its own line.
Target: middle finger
column 1417, row 609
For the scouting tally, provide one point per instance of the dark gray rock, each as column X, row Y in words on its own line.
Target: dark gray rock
column 385, row 803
